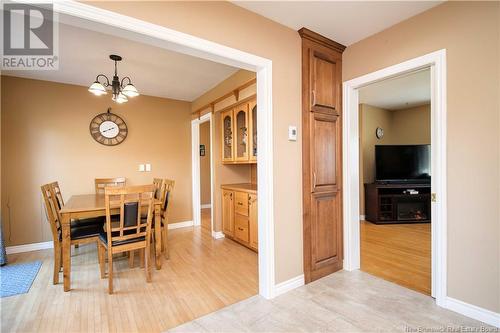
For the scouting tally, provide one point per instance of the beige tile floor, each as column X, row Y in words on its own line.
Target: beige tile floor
column 342, row 302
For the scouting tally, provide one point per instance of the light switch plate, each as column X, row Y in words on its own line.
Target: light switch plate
column 148, row 167
column 141, row 167
column 292, row 133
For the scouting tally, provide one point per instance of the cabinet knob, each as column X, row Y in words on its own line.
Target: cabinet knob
column 240, row 203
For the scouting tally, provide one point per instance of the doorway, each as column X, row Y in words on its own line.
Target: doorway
column 436, row 63
column 395, row 180
column 202, row 172
column 198, row 47
column 205, row 175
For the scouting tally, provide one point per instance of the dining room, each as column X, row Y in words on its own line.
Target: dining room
column 97, row 197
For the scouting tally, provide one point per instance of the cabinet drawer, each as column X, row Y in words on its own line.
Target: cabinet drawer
column 241, row 203
column 241, row 228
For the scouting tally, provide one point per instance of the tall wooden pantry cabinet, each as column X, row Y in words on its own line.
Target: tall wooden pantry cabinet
column 321, row 154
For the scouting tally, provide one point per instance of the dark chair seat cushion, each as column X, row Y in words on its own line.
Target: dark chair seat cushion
column 114, row 218
column 103, row 236
column 85, row 231
column 90, row 221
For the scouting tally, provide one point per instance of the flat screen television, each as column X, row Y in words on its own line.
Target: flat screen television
column 403, row 163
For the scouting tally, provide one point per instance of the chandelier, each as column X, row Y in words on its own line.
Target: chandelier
column 121, row 89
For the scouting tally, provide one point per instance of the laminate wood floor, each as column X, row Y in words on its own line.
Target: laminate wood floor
column 201, row 276
column 400, row 253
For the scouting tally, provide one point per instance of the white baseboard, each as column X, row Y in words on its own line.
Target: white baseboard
column 362, row 217
column 288, row 285
column 204, row 206
column 180, row 225
column 218, row 234
column 473, row 311
column 29, row 247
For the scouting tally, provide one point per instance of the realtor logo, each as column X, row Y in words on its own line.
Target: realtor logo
column 29, row 37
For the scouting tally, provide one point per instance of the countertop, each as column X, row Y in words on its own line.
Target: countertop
column 244, row 187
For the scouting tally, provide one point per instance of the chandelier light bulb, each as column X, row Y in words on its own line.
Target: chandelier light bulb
column 130, row 90
column 97, row 89
column 119, row 89
column 120, row 98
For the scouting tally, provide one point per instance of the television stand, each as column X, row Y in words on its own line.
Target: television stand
column 387, row 203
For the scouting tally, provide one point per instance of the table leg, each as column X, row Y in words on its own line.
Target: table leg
column 158, row 236
column 66, row 251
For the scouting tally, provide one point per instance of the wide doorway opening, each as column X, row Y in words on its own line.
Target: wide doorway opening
column 395, row 179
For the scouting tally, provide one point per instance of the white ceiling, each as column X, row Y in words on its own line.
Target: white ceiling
column 345, row 22
column 155, row 71
column 400, row 92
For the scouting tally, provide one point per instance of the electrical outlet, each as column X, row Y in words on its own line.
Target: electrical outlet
column 148, row 167
column 141, row 167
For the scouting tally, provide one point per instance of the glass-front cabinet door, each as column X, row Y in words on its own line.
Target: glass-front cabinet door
column 241, row 123
column 253, row 130
column 227, row 136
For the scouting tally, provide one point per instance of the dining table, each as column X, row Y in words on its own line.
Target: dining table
column 92, row 205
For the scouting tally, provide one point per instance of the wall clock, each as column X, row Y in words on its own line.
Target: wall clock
column 108, row 129
column 379, row 132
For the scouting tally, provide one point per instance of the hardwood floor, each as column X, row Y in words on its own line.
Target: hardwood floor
column 400, row 253
column 205, row 219
column 201, row 276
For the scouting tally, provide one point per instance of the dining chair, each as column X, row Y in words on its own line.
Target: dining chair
column 79, row 234
column 163, row 192
column 132, row 231
column 75, row 222
column 101, row 183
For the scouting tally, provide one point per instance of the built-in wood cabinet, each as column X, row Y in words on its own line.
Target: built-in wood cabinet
column 239, row 134
column 252, row 106
column 252, row 218
column 228, row 213
column 239, row 214
column 321, row 154
column 241, row 130
column 227, row 136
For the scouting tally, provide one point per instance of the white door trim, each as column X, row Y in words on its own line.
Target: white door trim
column 195, row 166
column 202, row 48
column 436, row 61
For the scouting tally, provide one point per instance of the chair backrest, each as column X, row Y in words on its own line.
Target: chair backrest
column 164, row 188
column 101, row 183
column 157, row 183
column 52, row 211
column 57, row 195
column 131, row 202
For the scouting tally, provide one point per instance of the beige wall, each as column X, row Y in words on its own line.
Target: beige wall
column 205, row 164
column 469, row 31
column 230, row 25
column 45, row 137
column 401, row 127
column 224, row 173
column 372, row 117
column 412, row 126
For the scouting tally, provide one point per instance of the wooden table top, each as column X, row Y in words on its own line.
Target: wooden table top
column 86, row 203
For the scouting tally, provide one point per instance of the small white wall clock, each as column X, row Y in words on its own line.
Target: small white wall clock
column 108, row 129
column 379, row 132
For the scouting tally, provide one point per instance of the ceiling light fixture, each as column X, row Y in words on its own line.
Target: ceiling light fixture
column 121, row 91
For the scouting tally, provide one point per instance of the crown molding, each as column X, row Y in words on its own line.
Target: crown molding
column 317, row 38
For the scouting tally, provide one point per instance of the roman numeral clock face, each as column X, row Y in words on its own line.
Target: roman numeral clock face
column 108, row 129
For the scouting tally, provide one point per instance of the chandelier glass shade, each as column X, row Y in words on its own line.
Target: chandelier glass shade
column 121, row 89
